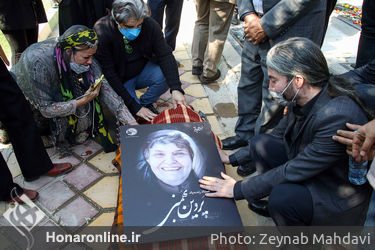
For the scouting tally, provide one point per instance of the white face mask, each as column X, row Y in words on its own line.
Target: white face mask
column 78, row 68
column 279, row 96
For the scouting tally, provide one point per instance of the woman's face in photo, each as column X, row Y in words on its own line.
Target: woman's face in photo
column 171, row 164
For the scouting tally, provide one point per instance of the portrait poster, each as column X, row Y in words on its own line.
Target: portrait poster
column 161, row 166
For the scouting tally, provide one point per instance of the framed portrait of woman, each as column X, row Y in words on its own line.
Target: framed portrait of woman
column 161, row 166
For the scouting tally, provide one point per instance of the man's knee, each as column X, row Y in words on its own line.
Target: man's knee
column 290, row 205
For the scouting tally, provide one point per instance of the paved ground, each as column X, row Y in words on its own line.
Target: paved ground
column 87, row 195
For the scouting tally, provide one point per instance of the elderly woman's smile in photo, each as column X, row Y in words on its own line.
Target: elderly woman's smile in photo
column 170, row 164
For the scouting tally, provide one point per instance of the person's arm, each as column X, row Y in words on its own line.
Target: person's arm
column 42, row 86
column 367, row 149
column 319, row 155
column 115, row 104
column 360, row 141
column 245, row 7
column 281, row 16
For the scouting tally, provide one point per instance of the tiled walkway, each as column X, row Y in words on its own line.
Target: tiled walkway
column 88, row 195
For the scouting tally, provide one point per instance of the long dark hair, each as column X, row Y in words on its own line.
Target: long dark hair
column 300, row 56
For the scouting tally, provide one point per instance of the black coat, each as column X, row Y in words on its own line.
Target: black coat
column 318, row 162
column 21, row 14
column 119, row 66
column 83, row 12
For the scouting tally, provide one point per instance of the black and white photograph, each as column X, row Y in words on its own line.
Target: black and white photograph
column 162, row 164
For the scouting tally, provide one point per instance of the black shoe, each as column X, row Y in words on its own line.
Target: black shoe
column 260, row 207
column 246, row 169
column 207, row 80
column 233, row 142
column 152, row 108
column 197, row 70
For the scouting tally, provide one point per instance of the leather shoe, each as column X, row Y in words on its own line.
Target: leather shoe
column 233, row 142
column 29, row 193
column 260, row 207
column 207, row 80
column 58, row 169
column 246, row 169
column 197, row 70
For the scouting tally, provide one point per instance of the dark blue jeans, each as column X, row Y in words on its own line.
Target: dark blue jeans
column 151, row 77
column 173, row 9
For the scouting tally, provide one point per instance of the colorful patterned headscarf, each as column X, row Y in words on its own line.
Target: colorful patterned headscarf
column 83, row 38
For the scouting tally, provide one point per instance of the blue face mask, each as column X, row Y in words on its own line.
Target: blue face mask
column 131, row 34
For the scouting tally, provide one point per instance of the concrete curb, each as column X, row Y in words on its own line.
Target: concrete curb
column 45, row 29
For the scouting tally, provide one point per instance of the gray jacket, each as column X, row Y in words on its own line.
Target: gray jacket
column 283, row 19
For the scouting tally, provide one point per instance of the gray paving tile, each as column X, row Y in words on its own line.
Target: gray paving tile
column 34, row 185
column 82, row 176
column 55, row 195
column 49, row 223
column 58, row 158
column 28, row 221
column 77, row 213
column 190, row 99
column 87, row 149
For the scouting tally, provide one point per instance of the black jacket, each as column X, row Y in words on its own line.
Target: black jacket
column 83, row 12
column 21, row 14
column 119, row 66
column 318, row 162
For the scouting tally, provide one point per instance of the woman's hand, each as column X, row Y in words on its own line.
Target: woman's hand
column 90, row 95
column 178, row 98
column 146, row 114
column 220, row 187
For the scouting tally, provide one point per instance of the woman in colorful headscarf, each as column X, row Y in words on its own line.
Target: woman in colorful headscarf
column 58, row 79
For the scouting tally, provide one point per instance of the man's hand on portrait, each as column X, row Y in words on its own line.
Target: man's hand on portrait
column 218, row 187
column 146, row 114
column 178, row 98
column 253, row 29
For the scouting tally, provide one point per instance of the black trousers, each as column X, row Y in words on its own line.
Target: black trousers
column 19, row 40
column 173, row 9
column 366, row 46
column 289, row 204
column 18, row 120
